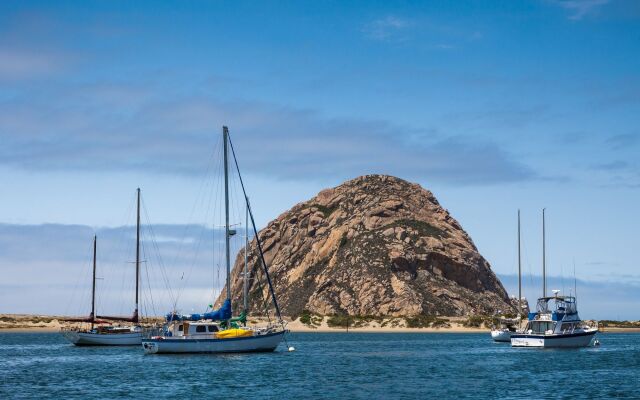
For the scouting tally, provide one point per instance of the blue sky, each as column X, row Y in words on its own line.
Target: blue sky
column 493, row 106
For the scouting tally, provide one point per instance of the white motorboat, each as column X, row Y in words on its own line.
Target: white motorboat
column 217, row 331
column 555, row 324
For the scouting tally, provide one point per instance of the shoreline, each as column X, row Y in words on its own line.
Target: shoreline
column 6, row 329
column 26, row 323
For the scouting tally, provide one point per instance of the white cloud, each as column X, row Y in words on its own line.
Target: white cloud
column 152, row 130
column 388, row 28
column 581, row 8
column 26, row 64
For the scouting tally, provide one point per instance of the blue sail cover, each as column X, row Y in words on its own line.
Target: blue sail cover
column 221, row 314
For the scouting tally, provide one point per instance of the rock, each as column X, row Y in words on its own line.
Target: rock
column 375, row 245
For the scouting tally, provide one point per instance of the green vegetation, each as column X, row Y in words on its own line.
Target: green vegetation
column 305, row 317
column 343, row 240
column 310, row 319
column 326, row 211
column 477, row 321
column 352, row 321
column 426, row 321
column 607, row 323
column 423, row 228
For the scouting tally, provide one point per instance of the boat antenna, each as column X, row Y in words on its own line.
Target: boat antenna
column 255, row 232
column 575, row 285
column 245, row 282
column 544, row 266
column 519, row 270
column 135, row 312
column 225, row 138
column 93, row 289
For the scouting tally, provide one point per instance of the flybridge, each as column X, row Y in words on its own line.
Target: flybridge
column 554, row 308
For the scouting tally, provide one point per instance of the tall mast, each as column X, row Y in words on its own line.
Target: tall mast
column 225, row 134
column 93, row 289
column 135, row 313
column 245, row 289
column 544, row 259
column 519, row 270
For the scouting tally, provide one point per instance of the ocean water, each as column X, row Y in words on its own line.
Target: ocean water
column 324, row 365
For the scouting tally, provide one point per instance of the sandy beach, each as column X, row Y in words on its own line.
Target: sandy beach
column 49, row 323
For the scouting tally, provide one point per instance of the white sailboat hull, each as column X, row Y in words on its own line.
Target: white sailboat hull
column 581, row 339
column 258, row 343
column 503, row 336
column 103, row 339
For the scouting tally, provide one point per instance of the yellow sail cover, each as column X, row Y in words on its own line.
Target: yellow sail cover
column 233, row 333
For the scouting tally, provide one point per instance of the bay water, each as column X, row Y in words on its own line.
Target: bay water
column 325, row 365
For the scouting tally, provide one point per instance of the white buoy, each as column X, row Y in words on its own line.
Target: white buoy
column 291, row 348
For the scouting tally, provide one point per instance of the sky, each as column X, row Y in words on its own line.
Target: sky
column 493, row 106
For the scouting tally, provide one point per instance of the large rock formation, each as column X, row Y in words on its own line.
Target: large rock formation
column 375, row 245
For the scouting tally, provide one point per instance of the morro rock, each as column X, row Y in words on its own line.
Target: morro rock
column 375, row 245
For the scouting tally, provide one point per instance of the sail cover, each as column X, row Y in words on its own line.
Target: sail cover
column 221, row 314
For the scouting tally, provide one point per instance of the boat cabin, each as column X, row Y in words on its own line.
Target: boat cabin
column 193, row 328
column 554, row 315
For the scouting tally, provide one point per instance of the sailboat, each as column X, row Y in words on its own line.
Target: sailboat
column 99, row 333
column 217, row 331
column 556, row 322
column 508, row 326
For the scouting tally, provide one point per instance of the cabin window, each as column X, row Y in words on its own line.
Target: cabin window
column 201, row 328
column 542, row 326
column 213, row 328
column 567, row 327
column 180, row 328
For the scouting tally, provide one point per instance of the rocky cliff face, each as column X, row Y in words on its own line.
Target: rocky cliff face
column 375, row 245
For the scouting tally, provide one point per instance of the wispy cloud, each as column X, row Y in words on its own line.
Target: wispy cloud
column 133, row 128
column 26, row 64
column 388, row 28
column 614, row 296
column 41, row 275
column 611, row 166
column 579, row 9
column 621, row 141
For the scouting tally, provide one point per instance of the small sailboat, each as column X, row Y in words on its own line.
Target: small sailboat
column 101, row 334
column 505, row 327
column 217, row 331
column 556, row 322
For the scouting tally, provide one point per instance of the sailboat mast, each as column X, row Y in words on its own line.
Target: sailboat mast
column 245, row 282
column 519, row 270
column 544, row 259
column 135, row 314
column 225, row 135
column 93, row 289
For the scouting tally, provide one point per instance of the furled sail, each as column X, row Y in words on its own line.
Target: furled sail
column 221, row 314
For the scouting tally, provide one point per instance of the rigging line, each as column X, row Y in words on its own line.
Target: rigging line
column 121, row 247
column 81, row 276
column 264, row 297
column 190, row 220
column 217, row 245
column 202, row 198
column 149, row 235
column 147, row 258
column 201, row 239
column 156, row 247
column 259, row 245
